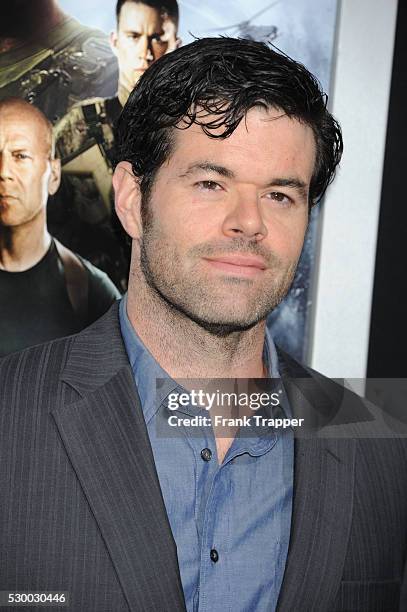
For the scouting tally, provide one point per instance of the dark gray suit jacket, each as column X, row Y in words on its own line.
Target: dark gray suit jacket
column 81, row 508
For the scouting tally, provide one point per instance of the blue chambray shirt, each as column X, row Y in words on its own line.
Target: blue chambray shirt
column 240, row 509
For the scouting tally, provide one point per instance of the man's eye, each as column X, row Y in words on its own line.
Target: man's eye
column 21, row 156
column 158, row 38
column 208, row 186
column 279, row 197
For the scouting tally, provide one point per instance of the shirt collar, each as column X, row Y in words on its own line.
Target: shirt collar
column 146, row 370
column 150, row 376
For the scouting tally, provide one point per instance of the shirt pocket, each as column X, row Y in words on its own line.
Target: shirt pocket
column 369, row 596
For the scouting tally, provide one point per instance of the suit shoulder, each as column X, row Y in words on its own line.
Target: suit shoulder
column 342, row 411
column 32, row 371
column 289, row 366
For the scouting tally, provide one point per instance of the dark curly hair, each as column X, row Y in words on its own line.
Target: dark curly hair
column 214, row 82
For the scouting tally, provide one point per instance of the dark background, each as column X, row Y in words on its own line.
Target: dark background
column 388, row 329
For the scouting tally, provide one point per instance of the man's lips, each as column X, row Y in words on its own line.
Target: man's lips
column 238, row 265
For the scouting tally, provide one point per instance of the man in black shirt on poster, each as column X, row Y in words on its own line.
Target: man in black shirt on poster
column 45, row 290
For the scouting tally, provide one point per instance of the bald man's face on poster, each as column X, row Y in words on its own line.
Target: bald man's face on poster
column 28, row 172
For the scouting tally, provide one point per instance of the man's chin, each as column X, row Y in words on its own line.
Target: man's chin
column 136, row 77
column 219, row 324
column 222, row 325
column 224, row 329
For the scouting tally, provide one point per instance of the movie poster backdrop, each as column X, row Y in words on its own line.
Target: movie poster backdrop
column 75, row 63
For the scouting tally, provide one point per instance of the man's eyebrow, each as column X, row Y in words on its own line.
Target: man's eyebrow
column 208, row 167
column 17, row 148
column 296, row 183
column 138, row 33
column 293, row 182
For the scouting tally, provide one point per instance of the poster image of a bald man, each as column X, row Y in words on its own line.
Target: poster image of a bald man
column 46, row 291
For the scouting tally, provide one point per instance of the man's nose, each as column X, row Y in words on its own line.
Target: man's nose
column 5, row 167
column 245, row 218
column 145, row 51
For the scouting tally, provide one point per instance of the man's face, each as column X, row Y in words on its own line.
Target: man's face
column 27, row 175
column 143, row 36
column 225, row 223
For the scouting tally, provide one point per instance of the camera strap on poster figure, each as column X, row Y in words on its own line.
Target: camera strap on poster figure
column 76, row 280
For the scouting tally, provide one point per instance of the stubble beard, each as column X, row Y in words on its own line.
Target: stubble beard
column 195, row 296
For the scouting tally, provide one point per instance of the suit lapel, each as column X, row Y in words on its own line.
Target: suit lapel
column 105, row 437
column 322, row 498
column 321, row 519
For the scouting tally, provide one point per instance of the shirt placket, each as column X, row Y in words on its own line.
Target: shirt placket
column 204, row 449
column 213, row 545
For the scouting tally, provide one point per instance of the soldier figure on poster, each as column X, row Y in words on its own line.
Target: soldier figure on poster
column 85, row 139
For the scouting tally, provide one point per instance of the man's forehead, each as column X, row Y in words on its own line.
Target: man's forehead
column 260, row 126
column 15, row 127
column 264, row 143
column 202, row 121
column 136, row 15
column 21, row 127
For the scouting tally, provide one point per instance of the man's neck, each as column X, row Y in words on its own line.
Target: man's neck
column 186, row 350
column 30, row 25
column 22, row 247
column 123, row 94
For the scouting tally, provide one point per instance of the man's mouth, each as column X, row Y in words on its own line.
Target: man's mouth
column 238, row 265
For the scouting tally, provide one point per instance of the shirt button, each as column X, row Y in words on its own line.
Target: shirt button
column 214, row 555
column 206, row 454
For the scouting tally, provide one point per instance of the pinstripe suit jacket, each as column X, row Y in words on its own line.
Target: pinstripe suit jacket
column 82, row 511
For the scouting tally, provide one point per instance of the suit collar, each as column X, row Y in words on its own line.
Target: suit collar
column 97, row 354
column 321, row 401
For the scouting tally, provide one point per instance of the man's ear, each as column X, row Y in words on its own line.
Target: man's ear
column 55, row 176
column 127, row 199
column 113, row 41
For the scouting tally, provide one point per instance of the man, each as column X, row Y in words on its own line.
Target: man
column 145, row 31
column 85, row 140
column 223, row 147
column 45, row 290
column 51, row 60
